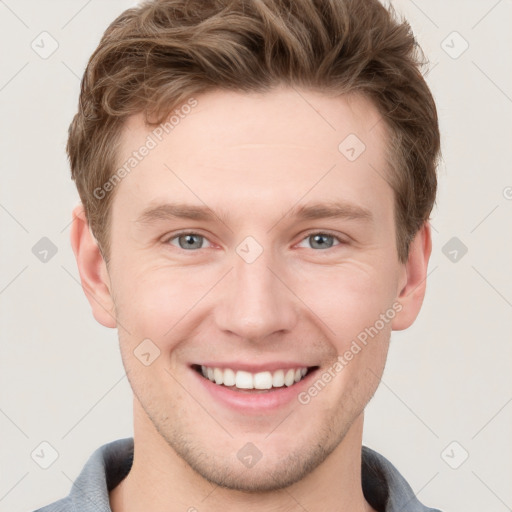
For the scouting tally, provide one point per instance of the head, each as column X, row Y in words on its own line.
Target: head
column 306, row 134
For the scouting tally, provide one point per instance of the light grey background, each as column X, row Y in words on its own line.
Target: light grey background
column 448, row 378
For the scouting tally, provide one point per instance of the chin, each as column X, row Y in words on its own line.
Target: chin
column 266, row 472
column 264, row 476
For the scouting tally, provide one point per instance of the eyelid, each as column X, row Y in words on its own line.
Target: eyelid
column 167, row 239
column 341, row 240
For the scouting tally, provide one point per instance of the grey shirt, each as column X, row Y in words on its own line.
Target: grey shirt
column 383, row 486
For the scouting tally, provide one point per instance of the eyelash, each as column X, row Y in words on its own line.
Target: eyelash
column 305, row 237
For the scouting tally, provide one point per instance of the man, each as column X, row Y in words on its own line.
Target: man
column 256, row 180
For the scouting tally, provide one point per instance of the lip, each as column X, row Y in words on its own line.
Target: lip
column 254, row 402
column 255, row 368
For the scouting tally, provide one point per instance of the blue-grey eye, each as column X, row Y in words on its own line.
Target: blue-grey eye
column 189, row 241
column 321, row 241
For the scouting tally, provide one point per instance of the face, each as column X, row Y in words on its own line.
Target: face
column 246, row 245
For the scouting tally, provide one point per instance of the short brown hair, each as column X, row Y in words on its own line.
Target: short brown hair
column 155, row 56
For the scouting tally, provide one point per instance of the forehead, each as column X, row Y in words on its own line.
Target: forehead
column 258, row 148
column 297, row 116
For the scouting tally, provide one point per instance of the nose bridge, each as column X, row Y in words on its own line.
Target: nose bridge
column 255, row 304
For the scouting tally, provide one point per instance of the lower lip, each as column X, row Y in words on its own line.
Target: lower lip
column 256, row 402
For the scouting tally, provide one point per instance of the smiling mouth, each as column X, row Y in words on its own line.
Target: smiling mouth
column 261, row 382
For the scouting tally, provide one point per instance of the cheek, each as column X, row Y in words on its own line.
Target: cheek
column 166, row 304
column 349, row 298
column 157, row 302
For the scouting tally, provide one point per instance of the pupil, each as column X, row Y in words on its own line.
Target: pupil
column 321, row 240
column 191, row 241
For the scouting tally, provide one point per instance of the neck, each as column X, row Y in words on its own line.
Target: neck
column 159, row 480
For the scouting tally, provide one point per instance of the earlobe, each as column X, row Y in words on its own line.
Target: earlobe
column 412, row 287
column 92, row 269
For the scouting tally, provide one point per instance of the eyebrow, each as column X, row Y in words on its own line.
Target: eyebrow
column 313, row 211
column 335, row 210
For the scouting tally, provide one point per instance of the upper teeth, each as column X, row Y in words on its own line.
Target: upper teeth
column 248, row 380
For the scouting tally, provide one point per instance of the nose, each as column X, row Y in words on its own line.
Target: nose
column 255, row 302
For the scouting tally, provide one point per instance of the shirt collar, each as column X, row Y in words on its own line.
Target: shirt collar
column 383, row 486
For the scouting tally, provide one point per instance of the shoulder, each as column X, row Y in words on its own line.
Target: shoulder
column 63, row 505
column 385, row 488
column 105, row 468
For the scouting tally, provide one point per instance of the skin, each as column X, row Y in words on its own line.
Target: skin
column 252, row 158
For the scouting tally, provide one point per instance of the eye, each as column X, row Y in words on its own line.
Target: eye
column 188, row 241
column 321, row 240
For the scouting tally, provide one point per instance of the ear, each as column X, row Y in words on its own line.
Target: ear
column 413, row 279
column 93, row 269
